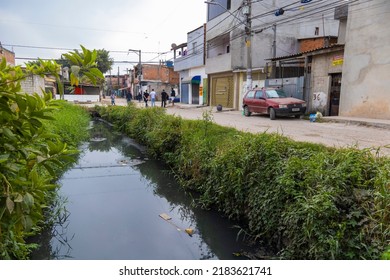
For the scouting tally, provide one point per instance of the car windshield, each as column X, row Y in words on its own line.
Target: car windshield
column 275, row 93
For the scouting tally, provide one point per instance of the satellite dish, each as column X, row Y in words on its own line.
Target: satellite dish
column 174, row 46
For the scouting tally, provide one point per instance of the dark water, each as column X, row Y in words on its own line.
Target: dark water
column 114, row 197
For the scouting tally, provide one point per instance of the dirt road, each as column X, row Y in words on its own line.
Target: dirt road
column 327, row 133
column 351, row 132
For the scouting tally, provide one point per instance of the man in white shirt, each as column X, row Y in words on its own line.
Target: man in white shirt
column 153, row 97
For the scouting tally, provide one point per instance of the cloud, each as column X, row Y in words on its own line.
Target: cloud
column 149, row 25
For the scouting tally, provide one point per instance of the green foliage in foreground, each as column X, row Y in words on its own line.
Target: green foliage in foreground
column 305, row 200
column 34, row 137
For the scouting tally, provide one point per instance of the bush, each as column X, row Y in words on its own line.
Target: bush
column 305, row 200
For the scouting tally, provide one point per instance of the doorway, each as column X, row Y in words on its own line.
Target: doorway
column 195, row 93
column 335, row 87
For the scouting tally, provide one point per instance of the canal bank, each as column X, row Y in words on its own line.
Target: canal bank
column 289, row 195
column 339, row 132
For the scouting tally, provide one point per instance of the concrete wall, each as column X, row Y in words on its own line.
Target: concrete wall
column 322, row 66
column 33, row 84
column 366, row 71
column 77, row 98
column 195, row 51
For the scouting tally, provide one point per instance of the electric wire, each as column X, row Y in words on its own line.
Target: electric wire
column 328, row 7
column 292, row 20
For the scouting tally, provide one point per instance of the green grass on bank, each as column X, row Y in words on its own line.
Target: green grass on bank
column 304, row 200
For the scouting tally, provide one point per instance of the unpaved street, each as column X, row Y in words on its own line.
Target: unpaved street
column 327, row 133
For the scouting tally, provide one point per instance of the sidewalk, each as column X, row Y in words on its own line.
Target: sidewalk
column 379, row 123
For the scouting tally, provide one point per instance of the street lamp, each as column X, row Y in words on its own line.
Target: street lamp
column 248, row 31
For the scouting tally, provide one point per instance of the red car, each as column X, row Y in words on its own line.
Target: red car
column 272, row 101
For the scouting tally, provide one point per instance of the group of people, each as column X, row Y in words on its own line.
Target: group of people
column 146, row 96
column 128, row 95
column 152, row 96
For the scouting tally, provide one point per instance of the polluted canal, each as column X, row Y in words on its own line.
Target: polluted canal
column 120, row 204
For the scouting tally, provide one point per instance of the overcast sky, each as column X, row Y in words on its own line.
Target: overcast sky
column 117, row 25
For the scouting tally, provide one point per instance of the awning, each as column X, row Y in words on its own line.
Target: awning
column 193, row 80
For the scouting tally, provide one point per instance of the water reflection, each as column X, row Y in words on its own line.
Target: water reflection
column 115, row 195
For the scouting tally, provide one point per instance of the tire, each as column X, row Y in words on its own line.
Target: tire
column 272, row 113
column 297, row 116
column 247, row 113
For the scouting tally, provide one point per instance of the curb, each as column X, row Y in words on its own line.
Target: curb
column 368, row 123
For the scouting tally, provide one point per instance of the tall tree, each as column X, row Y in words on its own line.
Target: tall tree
column 103, row 60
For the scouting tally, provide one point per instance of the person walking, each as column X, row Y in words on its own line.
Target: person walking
column 112, row 98
column 164, row 97
column 139, row 96
column 153, row 97
column 173, row 95
column 146, row 98
column 129, row 96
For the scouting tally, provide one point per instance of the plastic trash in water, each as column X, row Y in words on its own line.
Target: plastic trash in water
column 167, row 218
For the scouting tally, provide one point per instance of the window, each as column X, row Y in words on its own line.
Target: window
column 250, row 94
column 317, row 31
column 228, row 49
column 215, row 10
column 259, row 94
column 194, row 48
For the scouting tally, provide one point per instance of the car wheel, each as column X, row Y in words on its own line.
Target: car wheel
column 247, row 113
column 272, row 114
column 297, row 116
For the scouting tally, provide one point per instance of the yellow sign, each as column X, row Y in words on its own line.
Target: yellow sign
column 337, row 60
column 200, row 91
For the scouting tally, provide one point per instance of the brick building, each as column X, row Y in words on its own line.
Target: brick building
column 158, row 77
column 8, row 55
column 309, row 44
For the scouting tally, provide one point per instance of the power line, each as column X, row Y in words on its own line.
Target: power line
column 313, row 12
column 68, row 49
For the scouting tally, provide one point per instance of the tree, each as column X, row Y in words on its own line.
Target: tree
column 103, row 60
column 83, row 66
column 31, row 155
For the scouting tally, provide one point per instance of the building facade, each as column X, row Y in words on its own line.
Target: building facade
column 190, row 64
column 349, row 77
column 158, row 77
column 366, row 69
column 242, row 35
column 8, row 55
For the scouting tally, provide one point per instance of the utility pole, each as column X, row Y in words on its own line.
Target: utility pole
column 246, row 10
column 274, row 53
column 140, row 67
column 248, row 31
column 118, row 77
